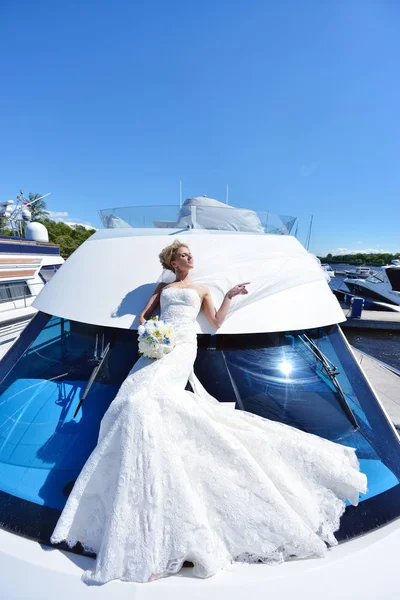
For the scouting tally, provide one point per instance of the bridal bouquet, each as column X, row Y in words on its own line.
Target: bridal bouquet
column 156, row 338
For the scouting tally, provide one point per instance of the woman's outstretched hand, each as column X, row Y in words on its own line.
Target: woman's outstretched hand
column 217, row 317
column 239, row 289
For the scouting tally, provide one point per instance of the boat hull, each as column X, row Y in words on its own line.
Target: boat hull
column 365, row 567
column 356, row 287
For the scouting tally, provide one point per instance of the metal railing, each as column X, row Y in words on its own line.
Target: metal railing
column 175, row 217
column 31, row 294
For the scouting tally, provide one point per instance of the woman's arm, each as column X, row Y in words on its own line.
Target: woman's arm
column 217, row 317
column 152, row 304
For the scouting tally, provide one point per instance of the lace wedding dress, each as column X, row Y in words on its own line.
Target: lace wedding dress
column 175, row 477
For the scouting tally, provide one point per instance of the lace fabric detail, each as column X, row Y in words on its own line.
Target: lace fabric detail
column 176, row 478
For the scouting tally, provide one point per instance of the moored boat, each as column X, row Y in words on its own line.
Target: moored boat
column 382, row 285
column 280, row 354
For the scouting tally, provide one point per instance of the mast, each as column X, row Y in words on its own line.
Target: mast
column 308, row 238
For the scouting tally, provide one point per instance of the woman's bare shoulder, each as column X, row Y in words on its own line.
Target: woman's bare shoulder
column 159, row 288
column 202, row 290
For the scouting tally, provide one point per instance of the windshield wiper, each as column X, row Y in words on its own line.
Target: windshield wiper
column 332, row 371
column 99, row 359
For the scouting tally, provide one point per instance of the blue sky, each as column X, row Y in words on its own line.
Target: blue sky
column 294, row 104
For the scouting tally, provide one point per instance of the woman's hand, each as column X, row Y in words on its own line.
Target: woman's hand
column 239, row 289
column 217, row 317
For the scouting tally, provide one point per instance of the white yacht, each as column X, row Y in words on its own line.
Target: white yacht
column 25, row 267
column 27, row 262
column 382, row 285
column 359, row 273
column 282, row 356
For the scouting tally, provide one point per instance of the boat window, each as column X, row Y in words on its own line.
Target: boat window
column 393, row 274
column 14, row 290
column 375, row 278
column 47, row 272
column 278, row 377
column 322, row 392
column 39, row 397
column 46, row 436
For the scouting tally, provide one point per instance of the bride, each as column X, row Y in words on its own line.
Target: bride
column 176, row 478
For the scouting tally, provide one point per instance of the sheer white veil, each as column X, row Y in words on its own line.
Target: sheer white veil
column 268, row 273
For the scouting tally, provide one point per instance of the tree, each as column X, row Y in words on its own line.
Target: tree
column 360, row 258
column 69, row 238
column 38, row 208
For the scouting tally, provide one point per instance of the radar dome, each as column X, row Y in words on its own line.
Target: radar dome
column 36, row 232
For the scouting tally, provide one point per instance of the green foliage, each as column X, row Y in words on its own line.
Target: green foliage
column 4, row 228
column 65, row 236
column 360, row 259
column 68, row 238
column 38, row 209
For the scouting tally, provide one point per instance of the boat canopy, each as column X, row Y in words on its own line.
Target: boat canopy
column 109, row 279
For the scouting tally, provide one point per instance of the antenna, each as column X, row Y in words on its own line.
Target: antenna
column 227, row 195
column 18, row 213
column 180, row 194
column 308, row 238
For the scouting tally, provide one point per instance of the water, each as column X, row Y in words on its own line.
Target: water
column 383, row 345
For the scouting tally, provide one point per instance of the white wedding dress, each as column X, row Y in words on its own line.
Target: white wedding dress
column 175, row 477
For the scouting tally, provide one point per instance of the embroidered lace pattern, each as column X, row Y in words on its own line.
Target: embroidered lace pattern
column 175, row 477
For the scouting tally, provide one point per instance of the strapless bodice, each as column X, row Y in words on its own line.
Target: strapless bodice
column 180, row 307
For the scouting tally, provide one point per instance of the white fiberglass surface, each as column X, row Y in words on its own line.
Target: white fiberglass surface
column 108, row 281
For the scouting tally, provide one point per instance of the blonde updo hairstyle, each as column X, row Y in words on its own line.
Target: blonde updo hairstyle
column 167, row 255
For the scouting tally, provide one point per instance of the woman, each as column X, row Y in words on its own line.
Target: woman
column 176, row 478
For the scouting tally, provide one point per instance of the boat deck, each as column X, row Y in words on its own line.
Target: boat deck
column 386, row 383
column 365, row 567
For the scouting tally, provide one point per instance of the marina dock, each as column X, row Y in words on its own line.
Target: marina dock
column 385, row 317
column 373, row 319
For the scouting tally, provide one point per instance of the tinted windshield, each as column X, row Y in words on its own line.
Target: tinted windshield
column 51, row 405
column 375, row 278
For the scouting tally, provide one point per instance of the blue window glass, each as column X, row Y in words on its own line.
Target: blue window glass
column 43, row 446
column 51, row 407
column 47, row 272
column 308, row 380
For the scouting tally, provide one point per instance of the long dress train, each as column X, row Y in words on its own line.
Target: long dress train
column 175, row 477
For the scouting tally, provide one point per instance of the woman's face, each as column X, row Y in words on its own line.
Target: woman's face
column 183, row 259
